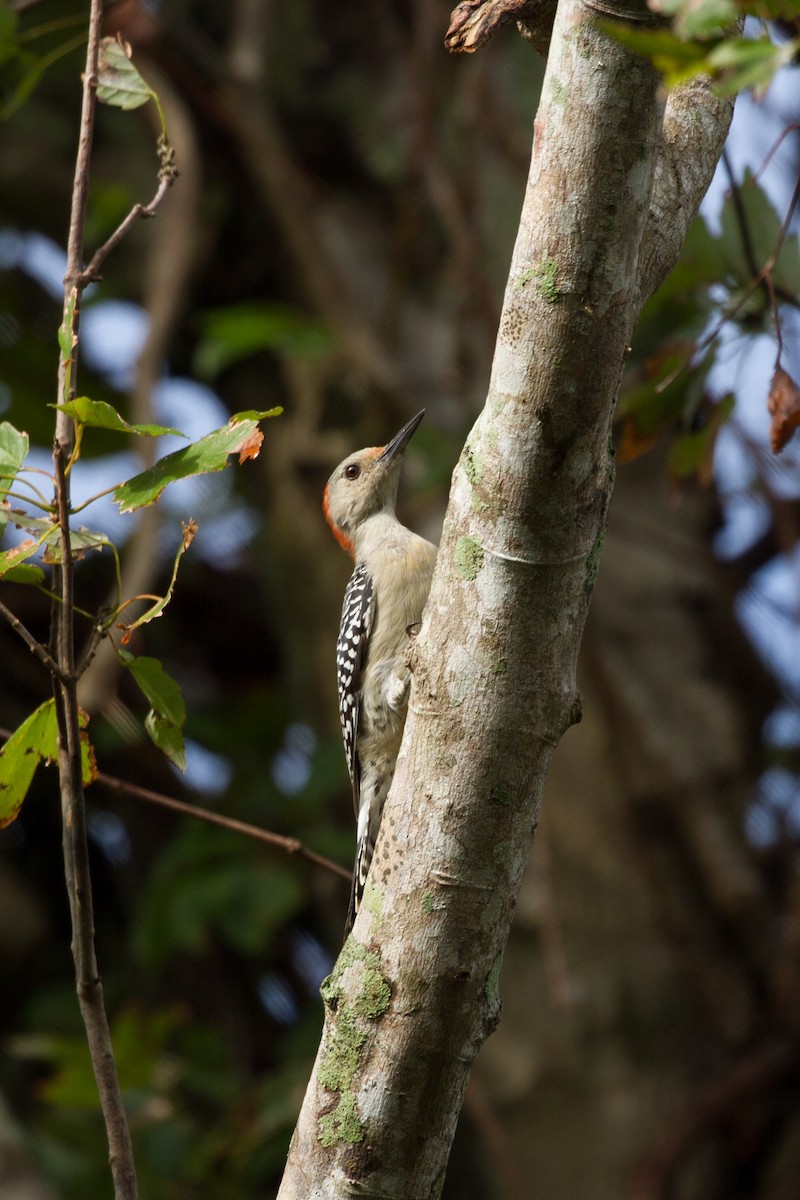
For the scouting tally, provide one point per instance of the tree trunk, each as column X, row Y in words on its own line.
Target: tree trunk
column 415, row 991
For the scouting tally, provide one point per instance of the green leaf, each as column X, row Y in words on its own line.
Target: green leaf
column 67, row 339
column 748, row 62
column 48, row 534
column 20, row 519
column 20, row 756
column 26, row 573
column 160, row 689
column 13, row 452
column 167, row 737
column 164, row 723
column 706, row 19
column 10, row 559
column 81, row 541
column 675, row 59
column 99, row 415
column 118, row 82
column 699, row 44
column 35, row 741
column 234, row 333
column 240, row 436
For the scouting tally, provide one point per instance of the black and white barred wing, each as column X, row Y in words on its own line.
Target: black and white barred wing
column 358, row 612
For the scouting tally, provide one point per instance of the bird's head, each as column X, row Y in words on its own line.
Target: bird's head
column 364, row 484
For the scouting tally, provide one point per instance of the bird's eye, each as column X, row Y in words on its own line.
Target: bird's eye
column 352, row 471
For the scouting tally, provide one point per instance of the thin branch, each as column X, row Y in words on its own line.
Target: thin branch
column 769, row 284
column 772, row 293
column 99, row 631
column 36, row 648
column 290, row 845
column 741, row 216
column 75, row 846
column 91, row 275
column 784, row 229
column 774, row 148
column 731, row 311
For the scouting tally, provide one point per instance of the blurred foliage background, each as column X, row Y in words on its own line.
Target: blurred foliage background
column 337, row 244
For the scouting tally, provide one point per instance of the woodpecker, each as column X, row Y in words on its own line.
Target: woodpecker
column 383, row 605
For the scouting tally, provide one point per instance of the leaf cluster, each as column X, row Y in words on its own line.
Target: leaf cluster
column 34, row 741
column 702, row 38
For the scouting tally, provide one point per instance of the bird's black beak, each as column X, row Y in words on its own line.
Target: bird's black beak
column 400, row 440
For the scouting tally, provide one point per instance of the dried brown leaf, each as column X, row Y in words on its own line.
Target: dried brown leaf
column 251, row 447
column 783, row 404
column 189, row 529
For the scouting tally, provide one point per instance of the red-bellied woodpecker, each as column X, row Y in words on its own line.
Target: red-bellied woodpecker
column 382, row 605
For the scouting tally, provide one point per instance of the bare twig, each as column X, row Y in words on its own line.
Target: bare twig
column 36, row 648
column 99, row 631
column 732, row 309
column 290, row 845
column 767, row 283
column 774, row 148
column 741, row 216
column 90, row 275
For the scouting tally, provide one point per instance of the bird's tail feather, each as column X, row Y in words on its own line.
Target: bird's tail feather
column 364, row 852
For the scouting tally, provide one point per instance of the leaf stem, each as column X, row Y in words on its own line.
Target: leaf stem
column 43, row 504
column 41, row 501
column 76, row 508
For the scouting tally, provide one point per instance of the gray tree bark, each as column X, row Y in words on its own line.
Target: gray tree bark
column 415, row 991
